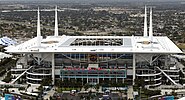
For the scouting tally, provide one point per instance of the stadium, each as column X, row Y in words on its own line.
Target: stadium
column 96, row 59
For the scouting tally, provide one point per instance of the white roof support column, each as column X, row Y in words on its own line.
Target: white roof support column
column 166, row 60
column 56, row 22
column 38, row 29
column 134, row 68
column 151, row 28
column 151, row 59
column 25, row 60
column 53, row 68
column 145, row 23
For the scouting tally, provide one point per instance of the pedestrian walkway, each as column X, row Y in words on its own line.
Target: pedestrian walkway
column 100, row 89
column 130, row 93
column 49, row 94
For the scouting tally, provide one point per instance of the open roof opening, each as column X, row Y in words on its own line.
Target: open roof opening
column 97, row 42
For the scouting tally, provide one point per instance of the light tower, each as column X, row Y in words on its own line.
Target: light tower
column 151, row 27
column 56, row 22
column 145, row 23
column 38, row 29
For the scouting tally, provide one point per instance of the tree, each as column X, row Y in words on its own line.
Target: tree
column 8, row 77
column 46, row 81
column 140, row 82
column 152, row 92
column 97, row 86
column 86, row 86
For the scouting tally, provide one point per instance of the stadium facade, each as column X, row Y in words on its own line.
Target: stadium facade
column 94, row 59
